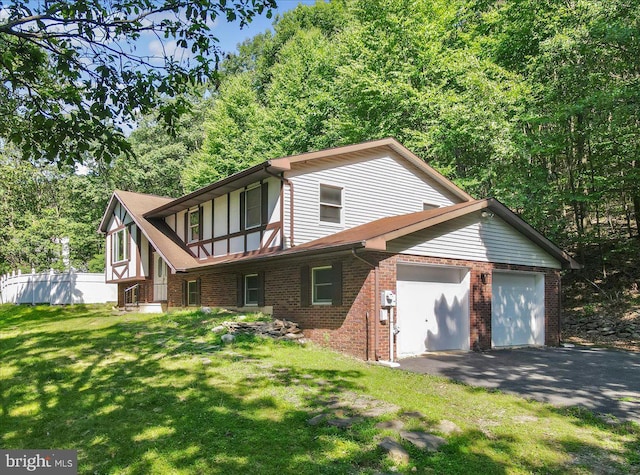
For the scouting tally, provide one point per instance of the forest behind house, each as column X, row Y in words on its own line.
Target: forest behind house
column 534, row 103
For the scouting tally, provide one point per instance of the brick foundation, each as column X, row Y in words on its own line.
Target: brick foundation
column 352, row 327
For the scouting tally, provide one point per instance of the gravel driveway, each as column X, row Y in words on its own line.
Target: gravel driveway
column 605, row 381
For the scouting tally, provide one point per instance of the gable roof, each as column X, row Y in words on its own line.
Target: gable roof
column 159, row 234
column 273, row 167
column 376, row 234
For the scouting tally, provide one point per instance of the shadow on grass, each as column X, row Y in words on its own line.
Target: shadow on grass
column 142, row 399
column 163, row 395
column 12, row 315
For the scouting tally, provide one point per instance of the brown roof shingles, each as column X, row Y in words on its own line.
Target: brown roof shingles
column 161, row 236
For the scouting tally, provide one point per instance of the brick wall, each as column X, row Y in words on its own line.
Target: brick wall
column 354, row 327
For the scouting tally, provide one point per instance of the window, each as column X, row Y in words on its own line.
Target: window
column 253, row 210
column 120, row 245
column 194, row 225
column 159, row 267
column 251, row 286
column 322, row 285
column 330, row 204
column 193, row 293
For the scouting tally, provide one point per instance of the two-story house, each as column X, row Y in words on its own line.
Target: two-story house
column 369, row 249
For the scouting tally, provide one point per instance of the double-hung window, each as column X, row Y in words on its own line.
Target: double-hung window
column 322, row 285
column 330, row 204
column 253, row 208
column 251, row 289
column 120, row 245
column 193, row 225
column 193, row 293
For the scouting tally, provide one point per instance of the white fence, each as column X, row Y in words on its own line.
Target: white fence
column 56, row 289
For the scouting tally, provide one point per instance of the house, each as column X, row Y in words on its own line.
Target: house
column 369, row 249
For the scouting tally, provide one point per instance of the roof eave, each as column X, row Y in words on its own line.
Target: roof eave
column 261, row 171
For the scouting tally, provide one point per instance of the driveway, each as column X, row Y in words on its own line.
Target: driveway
column 604, row 381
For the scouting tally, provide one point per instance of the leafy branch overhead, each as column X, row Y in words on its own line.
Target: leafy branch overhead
column 74, row 74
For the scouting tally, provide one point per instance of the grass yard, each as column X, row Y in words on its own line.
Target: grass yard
column 138, row 394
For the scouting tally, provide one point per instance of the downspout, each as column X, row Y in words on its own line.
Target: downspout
column 289, row 183
column 375, row 307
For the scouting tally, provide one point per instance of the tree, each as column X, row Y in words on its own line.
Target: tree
column 73, row 75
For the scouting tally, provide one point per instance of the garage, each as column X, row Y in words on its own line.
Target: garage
column 433, row 309
column 517, row 309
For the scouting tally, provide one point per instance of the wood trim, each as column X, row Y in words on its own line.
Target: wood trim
column 120, row 275
column 228, row 223
column 201, row 247
column 119, row 228
column 275, row 232
column 282, row 244
column 138, row 252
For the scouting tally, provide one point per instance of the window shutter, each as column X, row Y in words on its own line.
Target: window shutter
column 184, row 293
column 336, row 283
column 200, row 222
column 305, row 287
column 240, row 290
column 264, row 203
column 198, row 287
column 260, row 289
column 243, row 211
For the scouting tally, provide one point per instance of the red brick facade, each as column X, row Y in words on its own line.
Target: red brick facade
column 354, row 326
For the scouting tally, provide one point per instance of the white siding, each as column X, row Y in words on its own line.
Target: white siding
column 236, row 245
column 373, row 187
column 134, row 253
column 144, row 254
column 220, row 216
column 475, row 238
column 206, row 220
column 220, row 248
column 234, row 211
column 180, row 225
column 171, row 222
column 253, row 241
column 274, row 199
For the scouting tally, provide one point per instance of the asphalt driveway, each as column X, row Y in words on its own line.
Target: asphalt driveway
column 604, row 381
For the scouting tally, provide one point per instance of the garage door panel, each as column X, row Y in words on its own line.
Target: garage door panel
column 433, row 309
column 517, row 309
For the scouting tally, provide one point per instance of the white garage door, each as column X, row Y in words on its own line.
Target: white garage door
column 433, row 309
column 517, row 309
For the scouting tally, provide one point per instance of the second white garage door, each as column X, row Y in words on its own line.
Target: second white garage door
column 433, row 309
column 517, row 309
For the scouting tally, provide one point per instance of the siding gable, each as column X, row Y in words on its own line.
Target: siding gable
column 375, row 185
column 475, row 238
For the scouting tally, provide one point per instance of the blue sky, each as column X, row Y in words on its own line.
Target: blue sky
column 230, row 34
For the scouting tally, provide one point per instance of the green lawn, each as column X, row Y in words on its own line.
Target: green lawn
column 138, row 394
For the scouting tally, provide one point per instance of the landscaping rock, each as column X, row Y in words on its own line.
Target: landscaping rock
column 415, row 414
column 447, row 427
column 276, row 329
column 381, row 410
column 206, row 310
column 394, row 450
column 423, row 440
column 393, row 425
column 317, row 419
column 344, row 422
column 227, row 338
column 218, row 329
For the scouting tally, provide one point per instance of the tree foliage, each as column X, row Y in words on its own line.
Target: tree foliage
column 535, row 103
column 74, row 74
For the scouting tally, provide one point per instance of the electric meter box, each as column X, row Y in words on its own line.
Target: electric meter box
column 388, row 298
